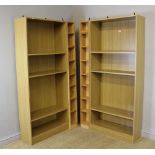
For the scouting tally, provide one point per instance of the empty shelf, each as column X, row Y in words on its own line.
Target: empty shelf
column 42, row 113
column 116, row 72
column 113, row 111
column 45, row 73
column 113, row 126
column 42, row 129
column 110, row 52
column 42, row 54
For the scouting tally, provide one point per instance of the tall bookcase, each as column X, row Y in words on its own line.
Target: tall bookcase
column 84, row 74
column 72, row 74
column 116, row 76
column 42, row 77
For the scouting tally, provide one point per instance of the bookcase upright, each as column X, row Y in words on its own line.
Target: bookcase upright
column 42, row 77
column 116, row 76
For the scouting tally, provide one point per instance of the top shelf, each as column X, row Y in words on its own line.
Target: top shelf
column 114, row 52
column 44, row 54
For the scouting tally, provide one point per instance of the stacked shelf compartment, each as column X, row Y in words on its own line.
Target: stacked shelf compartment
column 44, row 52
column 84, row 75
column 115, row 105
column 72, row 74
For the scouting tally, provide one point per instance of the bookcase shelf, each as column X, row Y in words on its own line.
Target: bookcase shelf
column 112, row 77
column 115, row 72
column 113, row 111
column 84, row 74
column 42, row 73
column 42, row 54
column 72, row 74
column 45, row 73
column 46, row 112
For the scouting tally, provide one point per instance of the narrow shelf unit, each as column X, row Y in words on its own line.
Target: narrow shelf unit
column 72, row 74
column 116, row 76
column 42, row 77
column 84, row 75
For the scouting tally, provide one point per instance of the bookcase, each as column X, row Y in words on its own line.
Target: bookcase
column 84, row 74
column 42, row 77
column 72, row 74
column 116, row 76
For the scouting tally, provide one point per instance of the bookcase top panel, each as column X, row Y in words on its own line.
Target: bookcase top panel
column 115, row 18
column 43, row 19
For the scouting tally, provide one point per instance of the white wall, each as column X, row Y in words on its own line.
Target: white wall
column 9, row 124
column 148, row 129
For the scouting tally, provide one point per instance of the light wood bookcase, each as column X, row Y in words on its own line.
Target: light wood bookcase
column 84, row 75
column 72, row 74
column 116, row 76
column 42, row 77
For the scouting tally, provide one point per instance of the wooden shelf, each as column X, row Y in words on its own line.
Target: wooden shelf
column 115, row 72
column 44, row 54
column 71, row 33
column 83, row 46
column 113, row 126
column 74, row 85
column 71, row 61
column 113, row 111
column 47, row 127
column 114, row 52
column 71, row 46
column 83, row 32
column 45, row 73
column 43, row 113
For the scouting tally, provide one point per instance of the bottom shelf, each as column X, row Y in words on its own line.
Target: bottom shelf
column 49, row 126
column 115, row 126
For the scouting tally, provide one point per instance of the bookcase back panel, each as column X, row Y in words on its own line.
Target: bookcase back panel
column 46, row 91
column 45, row 37
column 113, row 35
column 113, row 91
column 47, row 63
column 122, row 62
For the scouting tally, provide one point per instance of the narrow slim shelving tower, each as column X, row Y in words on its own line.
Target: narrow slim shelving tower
column 72, row 74
column 84, row 75
column 117, row 74
column 42, row 77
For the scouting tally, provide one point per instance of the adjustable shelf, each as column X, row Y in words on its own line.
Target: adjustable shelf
column 72, row 74
column 46, row 112
column 42, row 54
column 113, row 111
column 84, row 75
column 116, row 75
column 45, row 73
column 115, row 72
column 42, row 71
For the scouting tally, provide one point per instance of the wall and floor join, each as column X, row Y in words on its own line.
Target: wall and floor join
column 108, row 77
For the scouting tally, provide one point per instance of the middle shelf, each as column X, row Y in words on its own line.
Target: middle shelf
column 113, row 111
column 45, row 73
column 116, row 72
column 46, row 112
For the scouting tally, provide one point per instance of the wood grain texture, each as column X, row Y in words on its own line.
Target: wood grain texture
column 84, row 74
column 139, row 80
column 72, row 70
column 117, row 74
column 43, row 77
column 22, row 79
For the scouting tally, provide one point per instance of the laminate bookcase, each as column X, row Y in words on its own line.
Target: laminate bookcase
column 72, row 74
column 84, row 75
column 42, row 77
column 116, row 76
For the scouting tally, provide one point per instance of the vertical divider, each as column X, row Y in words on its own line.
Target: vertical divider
column 72, row 74
column 84, row 75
